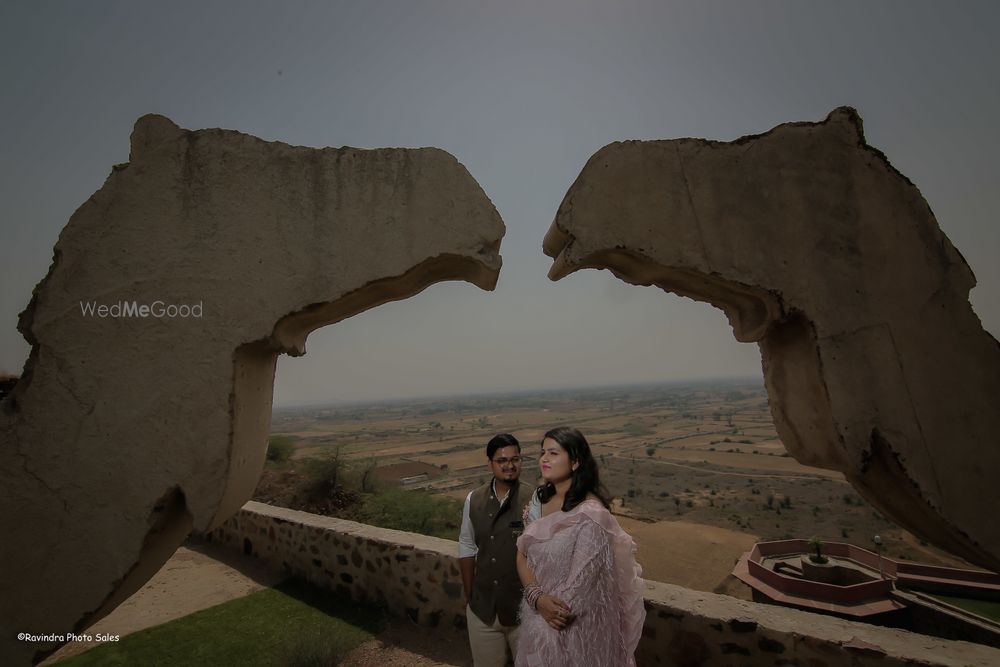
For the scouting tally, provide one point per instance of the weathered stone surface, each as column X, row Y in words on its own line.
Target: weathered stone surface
column 821, row 252
column 125, row 433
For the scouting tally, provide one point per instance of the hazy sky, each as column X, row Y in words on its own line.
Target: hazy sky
column 522, row 93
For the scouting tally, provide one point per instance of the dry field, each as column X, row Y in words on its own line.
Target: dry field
column 701, row 466
column 692, row 555
column 747, row 463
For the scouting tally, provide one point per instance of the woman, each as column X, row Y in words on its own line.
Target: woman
column 582, row 588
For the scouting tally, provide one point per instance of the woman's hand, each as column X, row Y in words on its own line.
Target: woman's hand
column 555, row 612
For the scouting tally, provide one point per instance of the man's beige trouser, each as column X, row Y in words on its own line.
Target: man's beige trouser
column 490, row 642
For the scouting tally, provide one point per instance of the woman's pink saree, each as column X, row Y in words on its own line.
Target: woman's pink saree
column 585, row 559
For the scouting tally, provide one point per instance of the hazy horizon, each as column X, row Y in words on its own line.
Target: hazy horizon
column 522, row 94
column 532, row 391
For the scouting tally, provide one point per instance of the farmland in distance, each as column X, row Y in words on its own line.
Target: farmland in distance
column 697, row 471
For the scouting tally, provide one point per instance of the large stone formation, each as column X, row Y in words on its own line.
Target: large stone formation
column 126, row 432
column 817, row 249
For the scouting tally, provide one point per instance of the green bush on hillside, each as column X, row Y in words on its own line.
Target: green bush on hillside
column 414, row 511
column 279, row 448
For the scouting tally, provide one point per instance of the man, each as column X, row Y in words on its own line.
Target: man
column 487, row 548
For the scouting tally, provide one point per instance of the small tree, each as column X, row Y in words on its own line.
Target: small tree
column 818, row 557
column 368, row 480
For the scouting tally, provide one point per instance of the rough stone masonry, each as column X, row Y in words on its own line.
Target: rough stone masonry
column 144, row 409
column 820, row 251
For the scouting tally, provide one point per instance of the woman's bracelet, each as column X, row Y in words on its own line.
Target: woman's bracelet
column 531, row 594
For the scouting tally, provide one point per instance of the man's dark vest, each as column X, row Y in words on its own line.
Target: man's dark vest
column 496, row 589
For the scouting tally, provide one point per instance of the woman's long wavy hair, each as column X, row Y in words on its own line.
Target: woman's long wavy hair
column 585, row 479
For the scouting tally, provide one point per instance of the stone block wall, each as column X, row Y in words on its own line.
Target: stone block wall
column 687, row 628
column 418, row 577
column 412, row 575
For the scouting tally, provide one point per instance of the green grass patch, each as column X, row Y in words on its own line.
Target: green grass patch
column 293, row 624
column 985, row 608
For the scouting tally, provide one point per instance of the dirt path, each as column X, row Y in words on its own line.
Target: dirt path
column 404, row 644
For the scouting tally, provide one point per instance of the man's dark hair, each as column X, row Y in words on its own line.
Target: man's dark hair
column 585, row 478
column 499, row 442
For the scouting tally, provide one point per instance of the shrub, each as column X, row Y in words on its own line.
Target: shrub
column 325, row 490
column 279, row 448
column 414, row 511
column 326, row 472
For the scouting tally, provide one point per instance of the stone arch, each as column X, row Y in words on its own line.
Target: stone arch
column 813, row 245
column 100, row 478
column 820, row 251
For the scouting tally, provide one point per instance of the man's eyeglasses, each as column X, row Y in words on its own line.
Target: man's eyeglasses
column 503, row 461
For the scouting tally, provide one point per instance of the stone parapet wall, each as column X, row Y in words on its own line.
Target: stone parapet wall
column 418, row 577
column 692, row 628
column 412, row 575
